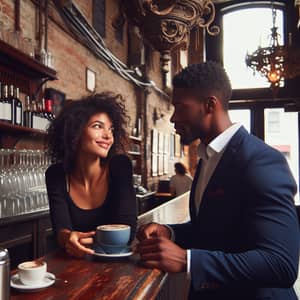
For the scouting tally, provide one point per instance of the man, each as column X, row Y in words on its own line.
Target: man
column 242, row 240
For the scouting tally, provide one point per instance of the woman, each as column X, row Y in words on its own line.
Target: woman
column 181, row 182
column 90, row 183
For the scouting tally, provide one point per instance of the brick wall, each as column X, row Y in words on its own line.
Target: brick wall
column 71, row 59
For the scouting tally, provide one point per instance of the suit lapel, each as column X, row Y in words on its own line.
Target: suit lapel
column 230, row 152
column 216, row 182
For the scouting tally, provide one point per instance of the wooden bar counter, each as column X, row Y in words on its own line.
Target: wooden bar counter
column 106, row 278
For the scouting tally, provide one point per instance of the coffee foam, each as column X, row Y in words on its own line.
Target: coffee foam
column 31, row 264
column 110, row 227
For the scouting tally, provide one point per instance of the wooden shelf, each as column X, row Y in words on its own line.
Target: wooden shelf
column 7, row 127
column 136, row 153
column 20, row 62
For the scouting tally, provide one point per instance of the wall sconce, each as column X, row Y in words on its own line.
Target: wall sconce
column 157, row 115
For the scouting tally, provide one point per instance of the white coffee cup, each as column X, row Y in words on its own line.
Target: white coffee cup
column 32, row 272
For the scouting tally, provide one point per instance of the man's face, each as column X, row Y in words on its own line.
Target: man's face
column 190, row 116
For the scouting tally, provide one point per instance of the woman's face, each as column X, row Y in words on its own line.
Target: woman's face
column 97, row 136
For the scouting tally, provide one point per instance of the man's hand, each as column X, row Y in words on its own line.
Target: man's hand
column 163, row 254
column 153, row 230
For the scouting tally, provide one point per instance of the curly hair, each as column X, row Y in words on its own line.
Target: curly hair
column 63, row 135
column 208, row 77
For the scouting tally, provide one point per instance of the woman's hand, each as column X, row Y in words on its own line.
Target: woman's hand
column 76, row 243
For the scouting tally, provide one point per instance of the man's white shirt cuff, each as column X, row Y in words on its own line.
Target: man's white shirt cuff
column 188, row 252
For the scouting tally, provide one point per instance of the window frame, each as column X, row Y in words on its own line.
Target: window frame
column 214, row 45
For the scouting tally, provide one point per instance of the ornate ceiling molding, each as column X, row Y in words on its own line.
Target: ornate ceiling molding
column 166, row 24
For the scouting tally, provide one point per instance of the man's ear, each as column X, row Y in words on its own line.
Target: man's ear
column 211, row 104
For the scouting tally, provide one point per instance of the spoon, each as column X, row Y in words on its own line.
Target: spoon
column 55, row 278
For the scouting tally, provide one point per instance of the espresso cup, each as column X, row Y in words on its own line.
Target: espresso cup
column 113, row 238
column 32, row 272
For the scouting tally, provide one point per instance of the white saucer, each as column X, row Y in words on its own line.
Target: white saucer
column 17, row 284
column 114, row 255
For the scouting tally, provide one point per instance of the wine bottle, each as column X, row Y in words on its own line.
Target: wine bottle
column 12, row 103
column 18, row 108
column 27, row 113
column 6, row 105
column 48, row 109
column 44, row 116
column 44, row 112
column 35, row 118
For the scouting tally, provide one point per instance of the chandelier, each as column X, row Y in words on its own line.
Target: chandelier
column 275, row 62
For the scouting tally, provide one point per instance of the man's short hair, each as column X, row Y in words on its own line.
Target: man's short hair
column 209, row 78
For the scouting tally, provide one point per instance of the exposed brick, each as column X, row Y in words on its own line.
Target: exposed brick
column 72, row 58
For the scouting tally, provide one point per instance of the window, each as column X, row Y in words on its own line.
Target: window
column 243, row 31
column 273, row 121
column 242, row 116
column 283, row 136
column 183, row 58
column 245, row 27
column 99, row 16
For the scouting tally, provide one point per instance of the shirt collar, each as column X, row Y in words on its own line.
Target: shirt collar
column 219, row 143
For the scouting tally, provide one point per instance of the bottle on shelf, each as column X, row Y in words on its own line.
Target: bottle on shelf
column 44, row 112
column 12, row 103
column 6, row 105
column 43, row 115
column 48, row 109
column 39, row 121
column 18, row 108
column 35, row 117
column 27, row 113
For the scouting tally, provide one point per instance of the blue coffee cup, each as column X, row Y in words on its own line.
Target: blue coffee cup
column 113, row 238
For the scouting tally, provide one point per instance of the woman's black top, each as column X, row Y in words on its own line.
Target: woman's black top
column 119, row 206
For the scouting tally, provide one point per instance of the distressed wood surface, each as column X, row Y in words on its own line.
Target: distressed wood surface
column 96, row 278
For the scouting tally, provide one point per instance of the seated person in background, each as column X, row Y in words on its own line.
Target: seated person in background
column 181, row 182
column 90, row 183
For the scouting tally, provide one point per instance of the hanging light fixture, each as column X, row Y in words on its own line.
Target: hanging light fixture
column 275, row 62
column 166, row 24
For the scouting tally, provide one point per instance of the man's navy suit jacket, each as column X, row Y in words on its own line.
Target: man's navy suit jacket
column 244, row 240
